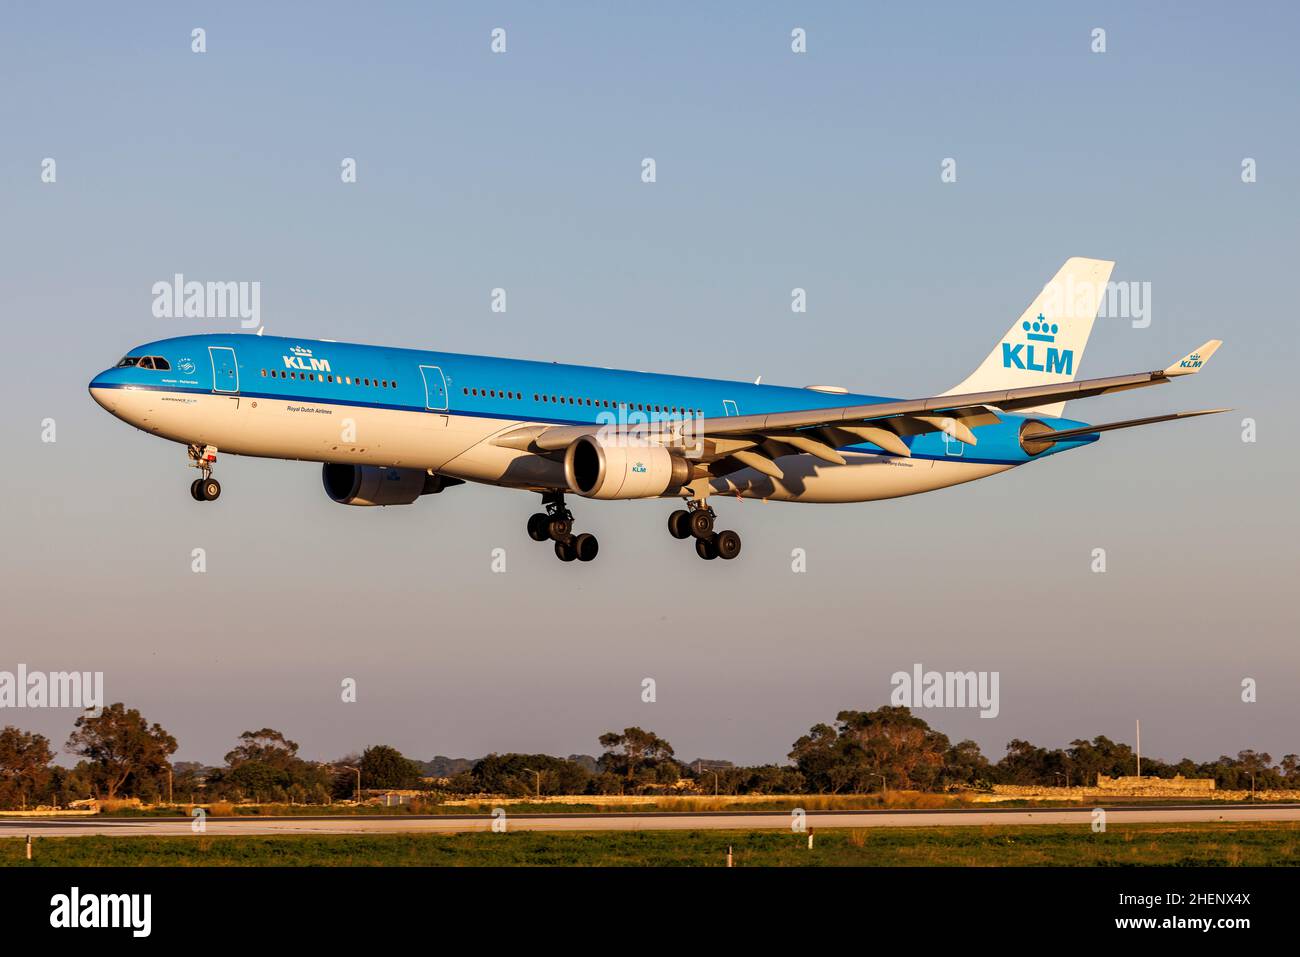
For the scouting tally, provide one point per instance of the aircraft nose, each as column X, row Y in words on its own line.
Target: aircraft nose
column 102, row 391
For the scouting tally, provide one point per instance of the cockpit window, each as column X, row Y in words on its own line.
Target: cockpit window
column 145, row 362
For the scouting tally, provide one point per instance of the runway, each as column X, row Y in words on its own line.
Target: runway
column 643, row 821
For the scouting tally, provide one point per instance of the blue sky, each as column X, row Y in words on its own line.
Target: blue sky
column 775, row 171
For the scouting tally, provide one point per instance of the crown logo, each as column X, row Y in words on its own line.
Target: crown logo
column 300, row 351
column 1040, row 330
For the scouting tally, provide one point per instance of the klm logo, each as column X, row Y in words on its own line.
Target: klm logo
column 639, row 467
column 302, row 360
column 1193, row 361
column 1023, row 354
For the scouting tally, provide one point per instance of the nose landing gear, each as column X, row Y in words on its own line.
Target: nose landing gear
column 697, row 520
column 205, row 489
column 556, row 524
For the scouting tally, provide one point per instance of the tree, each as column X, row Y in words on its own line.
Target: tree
column 519, row 775
column 628, row 752
column 24, row 764
column 964, row 764
column 265, row 766
column 385, row 767
column 267, row 746
column 866, row 746
column 121, row 745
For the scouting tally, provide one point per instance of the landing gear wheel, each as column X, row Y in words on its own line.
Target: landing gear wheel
column 210, row 488
column 195, row 492
column 537, row 526
column 585, row 547
column 701, row 523
column 559, row 528
column 727, row 544
column 565, row 551
column 679, row 524
column 705, row 548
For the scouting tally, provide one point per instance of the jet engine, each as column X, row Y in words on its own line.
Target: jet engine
column 598, row 469
column 376, row 485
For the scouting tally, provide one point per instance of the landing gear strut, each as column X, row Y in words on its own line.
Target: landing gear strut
column 697, row 520
column 556, row 524
column 205, row 489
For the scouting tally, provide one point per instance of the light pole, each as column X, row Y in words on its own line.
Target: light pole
column 169, row 784
column 538, row 792
column 348, row 767
column 715, row 780
column 1252, row 784
column 884, row 785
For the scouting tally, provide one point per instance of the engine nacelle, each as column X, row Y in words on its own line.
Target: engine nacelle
column 597, row 469
column 1029, row 440
column 376, row 485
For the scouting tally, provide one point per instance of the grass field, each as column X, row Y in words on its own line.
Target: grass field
column 1038, row 845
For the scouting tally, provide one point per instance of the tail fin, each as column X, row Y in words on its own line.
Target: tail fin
column 1046, row 343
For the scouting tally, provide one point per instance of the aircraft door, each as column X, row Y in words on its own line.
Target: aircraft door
column 225, row 370
column 435, row 388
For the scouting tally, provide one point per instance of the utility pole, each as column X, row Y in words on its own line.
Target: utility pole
column 1139, row 748
column 169, row 784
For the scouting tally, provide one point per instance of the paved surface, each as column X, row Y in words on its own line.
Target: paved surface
column 612, row 821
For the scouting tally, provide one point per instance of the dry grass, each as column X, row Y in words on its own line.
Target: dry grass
column 109, row 805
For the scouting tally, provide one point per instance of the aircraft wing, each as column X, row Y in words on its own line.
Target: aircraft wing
column 754, row 440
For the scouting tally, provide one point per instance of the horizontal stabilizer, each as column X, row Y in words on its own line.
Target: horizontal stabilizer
column 1062, row 434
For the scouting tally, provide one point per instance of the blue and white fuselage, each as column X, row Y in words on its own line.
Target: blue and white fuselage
column 403, row 408
column 393, row 424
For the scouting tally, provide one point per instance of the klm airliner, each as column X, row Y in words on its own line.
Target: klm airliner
column 392, row 425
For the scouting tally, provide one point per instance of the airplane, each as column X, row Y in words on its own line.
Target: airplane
column 391, row 425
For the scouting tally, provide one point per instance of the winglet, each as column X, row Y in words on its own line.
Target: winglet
column 1193, row 361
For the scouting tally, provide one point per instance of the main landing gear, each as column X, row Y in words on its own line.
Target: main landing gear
column 205, row 489
column 696, row 520
column 556, row 524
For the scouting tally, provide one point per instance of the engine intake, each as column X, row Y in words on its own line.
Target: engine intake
column 376, row 485
column 597, row 469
